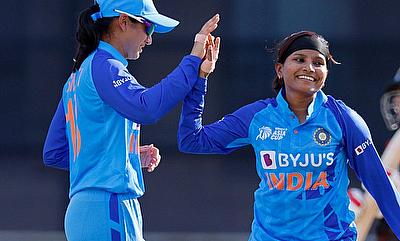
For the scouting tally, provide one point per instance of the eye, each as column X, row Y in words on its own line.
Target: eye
column 299, row 59
column 319, row 63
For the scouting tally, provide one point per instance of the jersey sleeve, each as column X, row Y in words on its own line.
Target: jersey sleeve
column 365, row 161
column 56, row 149
column 223, row 136
column 119, row 89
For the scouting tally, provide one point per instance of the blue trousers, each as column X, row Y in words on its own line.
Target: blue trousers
column 97, row 215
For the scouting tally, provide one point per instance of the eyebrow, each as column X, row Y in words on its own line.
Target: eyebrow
column 303, row 55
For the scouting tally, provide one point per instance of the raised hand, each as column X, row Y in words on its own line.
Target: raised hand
column 199, row 47
column 149, row 157
column 212, row 52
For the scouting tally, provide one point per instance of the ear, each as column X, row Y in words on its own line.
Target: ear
column 123, row 22
column 278, row 70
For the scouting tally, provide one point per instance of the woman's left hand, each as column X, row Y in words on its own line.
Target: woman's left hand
column 211, row 57
column 149, row 157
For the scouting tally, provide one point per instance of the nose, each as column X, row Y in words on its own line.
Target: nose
column 149, row 40
column 309, row 67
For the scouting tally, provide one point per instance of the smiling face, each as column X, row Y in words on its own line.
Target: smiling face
column 304, row 72
column 136, row 40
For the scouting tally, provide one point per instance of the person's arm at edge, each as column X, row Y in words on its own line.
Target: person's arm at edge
column 56, row 149
column 369, row 168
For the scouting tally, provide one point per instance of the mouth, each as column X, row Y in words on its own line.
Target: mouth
column 306, row 77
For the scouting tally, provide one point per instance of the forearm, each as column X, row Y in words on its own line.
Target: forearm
column 56, row 150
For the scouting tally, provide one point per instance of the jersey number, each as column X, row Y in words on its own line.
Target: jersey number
column 70, row 118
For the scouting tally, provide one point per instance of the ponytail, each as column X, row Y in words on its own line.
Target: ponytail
column 277, row 84
column 88, row 34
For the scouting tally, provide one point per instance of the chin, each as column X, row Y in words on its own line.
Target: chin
column 134, row 56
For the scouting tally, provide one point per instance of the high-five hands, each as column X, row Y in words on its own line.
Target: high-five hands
column 206, row 46
column 149, row 157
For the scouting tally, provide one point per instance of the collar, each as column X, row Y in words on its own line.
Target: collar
column 314, row 106
column 114, row 52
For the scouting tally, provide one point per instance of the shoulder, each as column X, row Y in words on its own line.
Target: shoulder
column 257, row 106
column 104, row 65
column 346, row 115
column 103, row 59
column 247, row 113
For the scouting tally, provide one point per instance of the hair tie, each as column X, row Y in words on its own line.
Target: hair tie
column 96, row 16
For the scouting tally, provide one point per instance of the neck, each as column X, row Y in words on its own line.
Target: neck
column 115, row 43
column 299, row 104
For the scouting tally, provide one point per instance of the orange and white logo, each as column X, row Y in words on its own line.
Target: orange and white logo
column 360, row 149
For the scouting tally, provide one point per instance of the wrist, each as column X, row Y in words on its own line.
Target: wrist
column 203, row 74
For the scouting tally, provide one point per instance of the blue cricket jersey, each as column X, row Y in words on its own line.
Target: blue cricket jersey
column 95, row 131
column 302, row 194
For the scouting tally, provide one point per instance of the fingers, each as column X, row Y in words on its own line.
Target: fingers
column 211, row 56
column 204, row 38
column 216, row 47
column 212, row 48
column 155, row 158
column 154, row 163
column 210, row 25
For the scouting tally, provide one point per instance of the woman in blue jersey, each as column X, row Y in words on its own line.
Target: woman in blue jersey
column 303, row 141
column 96, row 128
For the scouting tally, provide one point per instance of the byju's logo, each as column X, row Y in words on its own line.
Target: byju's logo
column 360, row 149
column 124, row 77
column 268, row 160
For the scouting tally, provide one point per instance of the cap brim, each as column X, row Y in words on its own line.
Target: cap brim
column 163, row 23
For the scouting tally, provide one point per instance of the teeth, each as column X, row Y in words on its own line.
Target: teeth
column 306, row 77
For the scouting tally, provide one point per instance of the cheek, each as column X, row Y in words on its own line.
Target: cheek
column 323, row 74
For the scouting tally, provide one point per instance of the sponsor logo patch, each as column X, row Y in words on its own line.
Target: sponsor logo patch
column 124, row 77
column 361, row 148
column 268, row 159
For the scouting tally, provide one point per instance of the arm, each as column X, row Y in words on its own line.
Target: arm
column 56, row 149
column 223, row 136
column 369, row 211
column 365, row 161
column 118, row 88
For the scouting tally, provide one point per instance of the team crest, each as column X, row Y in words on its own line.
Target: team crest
column 322, row 137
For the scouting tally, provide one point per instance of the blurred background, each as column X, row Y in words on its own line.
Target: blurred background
column 188, row 197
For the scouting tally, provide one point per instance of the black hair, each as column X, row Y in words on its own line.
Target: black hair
column 281, row 53
column 88, row 34
column 392, row 87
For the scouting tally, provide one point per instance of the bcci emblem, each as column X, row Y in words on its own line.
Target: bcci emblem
column 322, row 137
